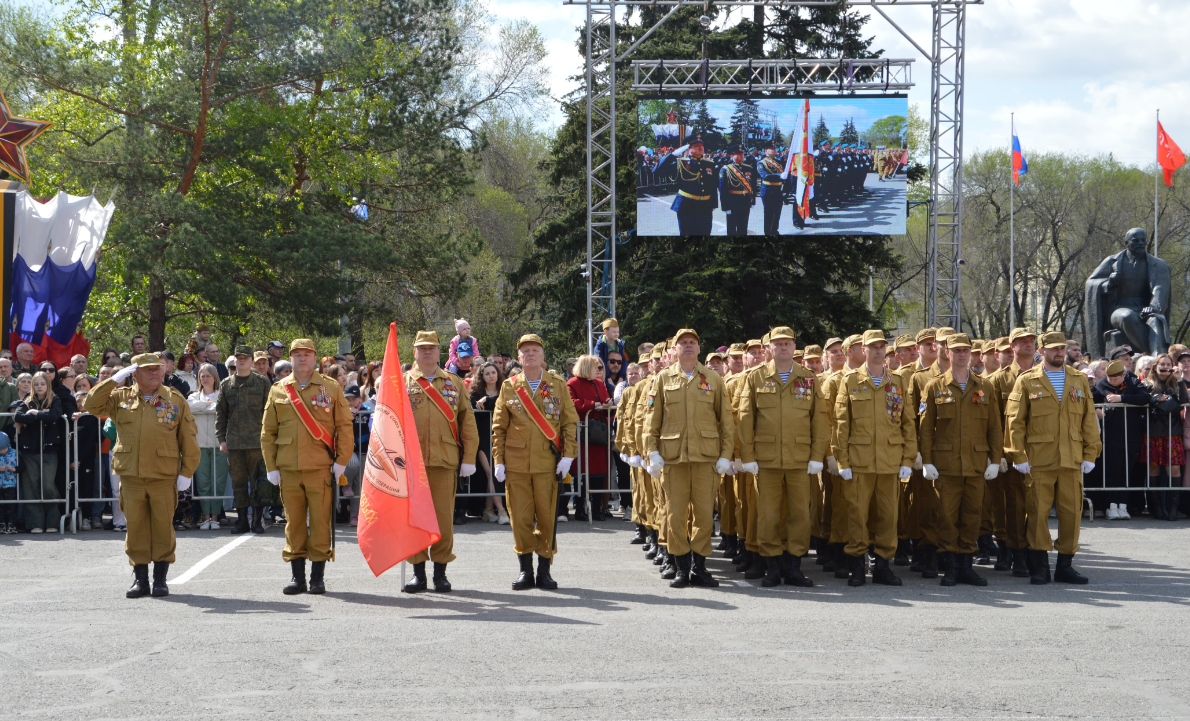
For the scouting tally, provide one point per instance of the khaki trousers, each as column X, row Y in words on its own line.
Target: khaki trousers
column 922, row 524
column 644, row 502
column 785, row 489
column 148, row 505
column 815, row 506
column 960, row 511
column 1065, row 485
column 740, row 484
column 443, row 484
column 753, row 540
column 1009, row 508
column 863, row 491
column 662, row 509
column 727, row 520
column 689, row 486
column 903, row 497
column 307, row 493
column 825, row 514
column 839, row 510
column 531, row 500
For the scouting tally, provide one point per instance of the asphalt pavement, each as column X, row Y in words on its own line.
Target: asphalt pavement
column 613, row 642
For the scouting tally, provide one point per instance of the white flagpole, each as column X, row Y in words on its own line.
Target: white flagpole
column 1011, row 224
column 1156, row 182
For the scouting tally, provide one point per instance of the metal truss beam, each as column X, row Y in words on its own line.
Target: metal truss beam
column 600, row 270
column 777, row 3
column 827, row 75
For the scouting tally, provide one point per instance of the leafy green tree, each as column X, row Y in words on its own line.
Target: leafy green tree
column 743, row 120
column 849, row 134
column 821, row 132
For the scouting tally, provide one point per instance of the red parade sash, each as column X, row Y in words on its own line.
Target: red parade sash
column 535, row 413
column 441, row 404
column 316, row 430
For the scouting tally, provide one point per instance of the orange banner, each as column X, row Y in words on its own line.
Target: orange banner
column 396, row 511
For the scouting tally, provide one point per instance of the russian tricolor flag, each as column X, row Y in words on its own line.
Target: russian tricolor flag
column 1019, row 166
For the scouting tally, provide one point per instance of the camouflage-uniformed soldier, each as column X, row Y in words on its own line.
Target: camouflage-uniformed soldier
column 306, row 440
column 1053, row 439
column 690, row 435
column 155, row 455
column 875, row 443
column 784, row 434
column 960, row 436
column 238, row 415
column 449, row 439
column 534, row 443
column 1007, row 491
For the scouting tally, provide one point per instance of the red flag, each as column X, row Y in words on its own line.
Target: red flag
column 396, row 511
column 1169, row 155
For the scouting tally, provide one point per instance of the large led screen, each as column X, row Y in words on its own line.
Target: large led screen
column 772, row 166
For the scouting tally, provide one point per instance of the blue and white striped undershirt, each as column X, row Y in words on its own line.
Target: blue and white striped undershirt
column 1058, row 380
column 533, row 385
column 784, row 376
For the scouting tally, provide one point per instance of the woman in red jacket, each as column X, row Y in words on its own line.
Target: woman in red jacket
column 589, row 393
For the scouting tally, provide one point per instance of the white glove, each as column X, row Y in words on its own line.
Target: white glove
column 845, row 474
column 337, row 471
column 499, row 471
column 636, row 462
column 183, row 483
column 467, row 469
column 563, row 466
column 917, row 464
column 1004, row 465
column 832, row 466
column 737, row 466
column 656, row 460
column 991, row 472
column 753, row 468
column 724, row 465
column 681, row 150
column 929, row 471
column 813, row 468
column 1088, row 466
column 624, row 457
column 906, row 471
column 122, row 375
column 274, row 477
column 1022, row 467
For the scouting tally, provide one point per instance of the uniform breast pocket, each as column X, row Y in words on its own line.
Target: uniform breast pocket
column 516, row 452
column 766, row 447
column 945, row 411
column 767, row 398
column 862, row 414
column 980, row 410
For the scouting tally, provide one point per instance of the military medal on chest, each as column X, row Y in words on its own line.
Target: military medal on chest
column 703, row 386
column 894, row 401
column 450, row 392
column 167, row 412
column 550, row 401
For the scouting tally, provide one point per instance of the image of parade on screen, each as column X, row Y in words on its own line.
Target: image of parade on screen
column 719, row 165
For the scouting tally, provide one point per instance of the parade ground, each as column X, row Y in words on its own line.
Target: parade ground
column 613, row 642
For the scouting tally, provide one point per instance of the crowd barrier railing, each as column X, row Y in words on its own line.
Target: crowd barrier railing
column 491, row 466
column 21, row 497
column 612, row 484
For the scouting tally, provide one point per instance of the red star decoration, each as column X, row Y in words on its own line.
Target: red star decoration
column 15, row 134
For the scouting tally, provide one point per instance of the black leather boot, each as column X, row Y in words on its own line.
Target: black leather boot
column 929, row 561
column 651, row 547
column 951, row 576
column 722, row 541
column 160, row 570
column 984, row 555
column 821, row 554
column 1020, row 563
column 297, row 581
column 681, row 577
column 524, row 581
column 662, row 554
column 1063, row 572
column 417, row 584
column 1039, row 567
column 915, row 555
column 640, row 536
column 544, row 580
column 441, row 582
column 741, row 552
column 793, row 571
column 902, row 556
column 772, row 574
column 967, row 573
column 742, row 561
column 669, row 566
column 699, row 575
column 842, row 561
column 758, row 568
column 882, row 573
column 858, row 567
column 1003, row 557
column 241, row 522
column 316, row 583
column 140, row 581
column 257, row 517
column 732, row 542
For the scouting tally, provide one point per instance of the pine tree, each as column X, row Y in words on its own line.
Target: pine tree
column 703, row 124
column 821, row 132
column 849, row 134
column 743, row 120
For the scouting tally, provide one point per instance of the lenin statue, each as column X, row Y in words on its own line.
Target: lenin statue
column 1128, row 300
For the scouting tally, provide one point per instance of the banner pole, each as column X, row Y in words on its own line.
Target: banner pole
column 402, row 574
column 1011, row 225
column 1156, row 182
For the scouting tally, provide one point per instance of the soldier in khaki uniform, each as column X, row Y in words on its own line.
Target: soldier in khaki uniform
column 960, row 437
column 690, row 435
column 875, row 443
column 854, row 358
column 746, row 548
column 306, row 468
column 784, row 434
column 729, row 504
column 655, row 549
column 907, row 355
column 449, row 439
column 528, row 461
column 921, row 523
column 155, row 455
column 1007, row 491
column 1053, row 439
column 625, row 414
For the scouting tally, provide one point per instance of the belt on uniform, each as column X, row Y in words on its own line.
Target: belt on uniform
column 740, row 192
column 773, row 182
column 684, row 194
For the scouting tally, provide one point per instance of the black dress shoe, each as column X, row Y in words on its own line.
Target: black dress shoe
column 297, row 581
column 681, row 577
column 441, row 583
column 160, row 570
column 882, row 573
column 1065, row 572
column 140, row 581
column 544, row 581
column 525, row 581
column 316, row 583
column 699, row 575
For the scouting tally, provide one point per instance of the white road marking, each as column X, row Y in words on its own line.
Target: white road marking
column 198, row 567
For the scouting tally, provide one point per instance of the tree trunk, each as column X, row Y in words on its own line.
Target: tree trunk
column 157, row 316
column 355, row 323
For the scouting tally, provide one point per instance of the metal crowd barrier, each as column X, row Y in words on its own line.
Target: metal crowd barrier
column 62, row 501
column 584, row 471
column 492, row 468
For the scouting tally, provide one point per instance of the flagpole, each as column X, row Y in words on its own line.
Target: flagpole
column 1156, row 182
column 1011, row 224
